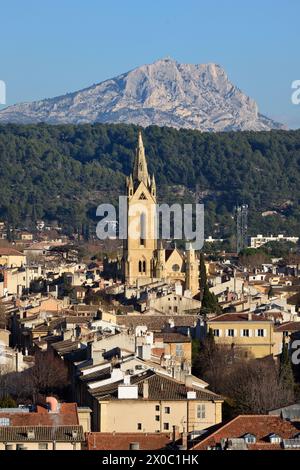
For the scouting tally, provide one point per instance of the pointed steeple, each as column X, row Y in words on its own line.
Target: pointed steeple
column 140, row 170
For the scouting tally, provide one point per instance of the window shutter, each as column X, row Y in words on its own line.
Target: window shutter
column 250, row 333
column 235, row 333
column 256, row 333
column 242, row 332
column 220, row 332
column 226, row 332
column 265, row 333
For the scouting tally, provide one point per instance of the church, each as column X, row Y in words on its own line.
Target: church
column 145, row 260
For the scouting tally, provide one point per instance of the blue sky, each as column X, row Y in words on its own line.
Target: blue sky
column 48, row 48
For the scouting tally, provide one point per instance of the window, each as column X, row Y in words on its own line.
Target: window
column 139, row 426
column 260, row 333
column 274, row 439
column 246, row 333
column 142, row 266
column 166, row 426
column 201, row 411
column 142, row 229
column 156, row 407
column 157, row 418
column 175, row 309
column 4, row 421
column 216, row 332
column 230, row 332
column 179, row 350
column 43, row 446
column 175, row 268
column 167, row 410
column 250, row 438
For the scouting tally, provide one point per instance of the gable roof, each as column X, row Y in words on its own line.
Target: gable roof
column 156, row 322
column 159, row 388
column 122, row 441
column 261, row 426
column 8, row 251
column 41, row 433
column 238, row 317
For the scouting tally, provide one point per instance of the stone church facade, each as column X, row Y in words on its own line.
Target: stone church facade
column 144, row 258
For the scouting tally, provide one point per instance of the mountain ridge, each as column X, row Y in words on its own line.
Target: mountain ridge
column 164, row 93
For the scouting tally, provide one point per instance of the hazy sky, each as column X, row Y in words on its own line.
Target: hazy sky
column 48, row 48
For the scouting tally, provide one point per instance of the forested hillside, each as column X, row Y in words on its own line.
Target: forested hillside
column 63, row 172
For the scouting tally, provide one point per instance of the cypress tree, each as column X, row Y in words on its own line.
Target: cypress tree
column 286, row 375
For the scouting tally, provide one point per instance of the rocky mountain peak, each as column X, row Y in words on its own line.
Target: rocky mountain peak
column 164, row 93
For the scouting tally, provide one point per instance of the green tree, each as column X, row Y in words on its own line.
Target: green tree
column 203, row 275
column 7, row 402
column 209, row 302
column 286, row 376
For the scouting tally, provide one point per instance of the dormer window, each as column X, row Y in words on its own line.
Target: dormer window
column 274, row 439
column 249, row 438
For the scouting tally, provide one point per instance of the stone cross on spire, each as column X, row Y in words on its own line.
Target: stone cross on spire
column 140, row 170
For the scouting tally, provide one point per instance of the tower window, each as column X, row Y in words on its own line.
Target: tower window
column 142, row 267
column 142, row 229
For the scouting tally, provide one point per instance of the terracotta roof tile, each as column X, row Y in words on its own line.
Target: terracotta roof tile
column 261, row 426
column 122, row 441
column 238, row 317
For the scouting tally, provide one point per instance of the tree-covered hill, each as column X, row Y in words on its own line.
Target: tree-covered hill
column 63, row 172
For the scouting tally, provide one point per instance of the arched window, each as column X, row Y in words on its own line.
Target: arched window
column 143, row 229
column 140, row 267
column 144, row 266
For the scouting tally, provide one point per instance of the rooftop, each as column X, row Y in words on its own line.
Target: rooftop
column 260, row 426
column 123, row 441
column 159, row 388
column 238, row 317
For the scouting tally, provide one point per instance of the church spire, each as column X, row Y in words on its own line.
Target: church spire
column 140, row 170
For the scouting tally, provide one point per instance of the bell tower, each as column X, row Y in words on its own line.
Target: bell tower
column 141, row 244
column 192, row 271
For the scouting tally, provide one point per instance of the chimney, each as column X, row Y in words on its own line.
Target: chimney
column 249, row 316
column 53, row 403
column 146, row 389
column 126, row 379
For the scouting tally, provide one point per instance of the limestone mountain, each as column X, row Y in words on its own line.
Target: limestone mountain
column 165, row 93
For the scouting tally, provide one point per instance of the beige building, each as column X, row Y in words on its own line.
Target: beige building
column 144, row 260
column 248, row 332
column 152, row 402
column 11, row 258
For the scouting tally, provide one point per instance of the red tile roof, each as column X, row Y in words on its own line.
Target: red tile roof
column 122, row 441
column 238, row 317
column 67, row 415
column 288, row 326
column 8, row 251
column 261, row 426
